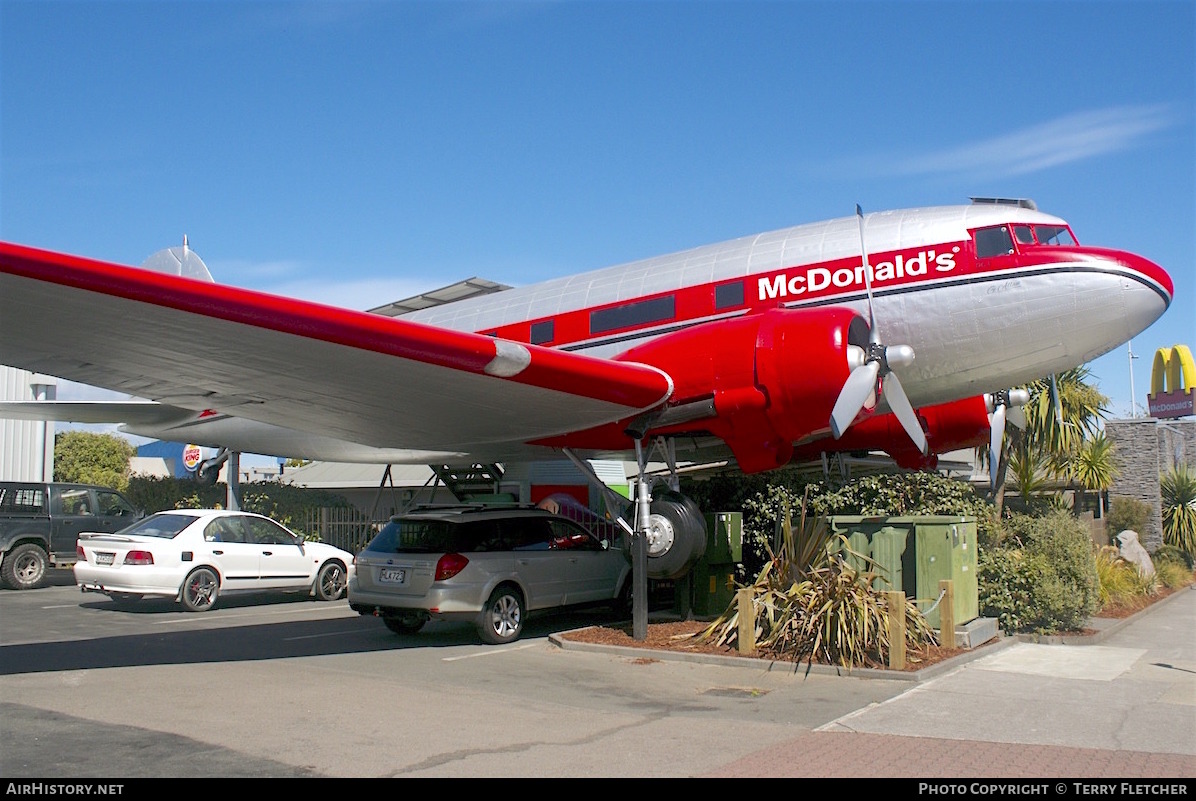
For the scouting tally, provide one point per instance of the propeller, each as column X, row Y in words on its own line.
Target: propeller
column 1056, row 404
column 1004, row 405
column 872, row 377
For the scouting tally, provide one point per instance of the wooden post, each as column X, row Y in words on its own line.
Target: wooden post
column 747, row 621
column 947, row 614
column 895, row 601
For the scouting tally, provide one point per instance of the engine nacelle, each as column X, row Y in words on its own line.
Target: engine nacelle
column 773, row 377
column 948, row 426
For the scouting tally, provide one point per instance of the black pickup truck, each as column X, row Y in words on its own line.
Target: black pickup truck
column 39, row 525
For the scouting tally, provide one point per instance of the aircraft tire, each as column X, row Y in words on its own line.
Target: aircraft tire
column 678, row 538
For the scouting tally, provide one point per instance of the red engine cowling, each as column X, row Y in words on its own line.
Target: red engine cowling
column 773, row 377
column 949, row 426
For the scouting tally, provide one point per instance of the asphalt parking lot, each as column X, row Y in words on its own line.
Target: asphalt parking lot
column 284, row 686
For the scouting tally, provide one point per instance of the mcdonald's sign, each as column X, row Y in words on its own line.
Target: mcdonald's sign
column 1172, row 383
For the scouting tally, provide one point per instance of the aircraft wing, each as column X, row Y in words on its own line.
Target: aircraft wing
column 365, row 378
column 102, row 411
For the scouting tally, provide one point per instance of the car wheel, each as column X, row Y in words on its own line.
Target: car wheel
column 24, row 567
column 502, row 617
column 676, row 535
column 331, row 581
column 405, row 624
column 200, row 590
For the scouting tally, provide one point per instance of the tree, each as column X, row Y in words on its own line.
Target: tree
column 88, row 458
column 1094, row 466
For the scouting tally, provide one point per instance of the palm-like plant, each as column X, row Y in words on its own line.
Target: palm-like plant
column 1095, row 464
column 1177, row 489
column 1053, row 432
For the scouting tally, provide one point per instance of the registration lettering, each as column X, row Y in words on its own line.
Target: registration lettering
column 392, row 575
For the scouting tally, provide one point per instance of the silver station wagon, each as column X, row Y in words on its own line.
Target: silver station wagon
column 491, row 566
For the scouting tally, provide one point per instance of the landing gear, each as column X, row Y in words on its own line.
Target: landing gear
column 666, row 534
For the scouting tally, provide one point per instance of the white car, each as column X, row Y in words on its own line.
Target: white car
column 196, row 555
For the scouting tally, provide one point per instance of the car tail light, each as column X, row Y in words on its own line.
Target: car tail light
column 139, row 558
column 450, row 565
column 79, row 553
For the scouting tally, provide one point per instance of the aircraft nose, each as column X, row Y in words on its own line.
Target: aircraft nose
column 1151, row 275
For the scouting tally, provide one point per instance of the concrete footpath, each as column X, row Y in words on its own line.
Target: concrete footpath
column 1117, row 705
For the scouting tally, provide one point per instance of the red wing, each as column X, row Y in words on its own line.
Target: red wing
column 361, row 377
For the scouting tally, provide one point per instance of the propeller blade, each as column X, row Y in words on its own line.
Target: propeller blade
column 860, row 384
column 1017, row 416
column 1055, row 402
column 995, row 440
column 899, row 403
column 873, row 333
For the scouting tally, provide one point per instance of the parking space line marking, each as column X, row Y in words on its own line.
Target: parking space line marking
column 188, row 616
column 489, row 652
column 318, row 636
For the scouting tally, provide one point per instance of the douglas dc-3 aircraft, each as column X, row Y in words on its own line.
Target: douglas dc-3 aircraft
column 903, row 331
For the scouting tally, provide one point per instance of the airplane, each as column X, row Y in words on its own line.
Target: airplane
column 906, row 331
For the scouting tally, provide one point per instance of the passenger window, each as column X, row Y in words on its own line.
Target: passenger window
column 727, row 296
column 992, row 242
column 70, row 501
column 566, row 536
column 224, row 529
column 528, row 534
column 267, row 532
column 113, row 505
column 638, row 313
column 541, row 332
column 479, row 535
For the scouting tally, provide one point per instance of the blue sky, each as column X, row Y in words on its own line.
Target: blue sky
column 361, row 152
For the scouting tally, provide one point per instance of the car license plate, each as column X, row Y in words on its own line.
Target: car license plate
column 104, row 558
column 392, row 575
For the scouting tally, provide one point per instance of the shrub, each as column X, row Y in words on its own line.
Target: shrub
column 1045, row 580
column 1174, row 575
column 1126, row 513
column 1169, row 553
column 1121, row 583
column 285, row 503
column 895, row 494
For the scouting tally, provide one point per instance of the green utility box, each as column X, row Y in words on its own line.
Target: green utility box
column 712, row 579
column 913, row 554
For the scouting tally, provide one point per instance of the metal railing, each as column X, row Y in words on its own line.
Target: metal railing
column 342, row 526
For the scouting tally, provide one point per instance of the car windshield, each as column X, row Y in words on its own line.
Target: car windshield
column 165, row 525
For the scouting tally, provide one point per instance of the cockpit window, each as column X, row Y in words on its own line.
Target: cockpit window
column 1054, row 235
column 993, row 242
column 1023, row 234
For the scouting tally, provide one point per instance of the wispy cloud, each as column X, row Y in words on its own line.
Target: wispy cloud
column 1071, row 138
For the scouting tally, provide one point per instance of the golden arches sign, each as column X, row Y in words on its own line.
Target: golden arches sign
column 1172, row 383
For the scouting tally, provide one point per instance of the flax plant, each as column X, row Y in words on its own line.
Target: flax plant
column 810, row 603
